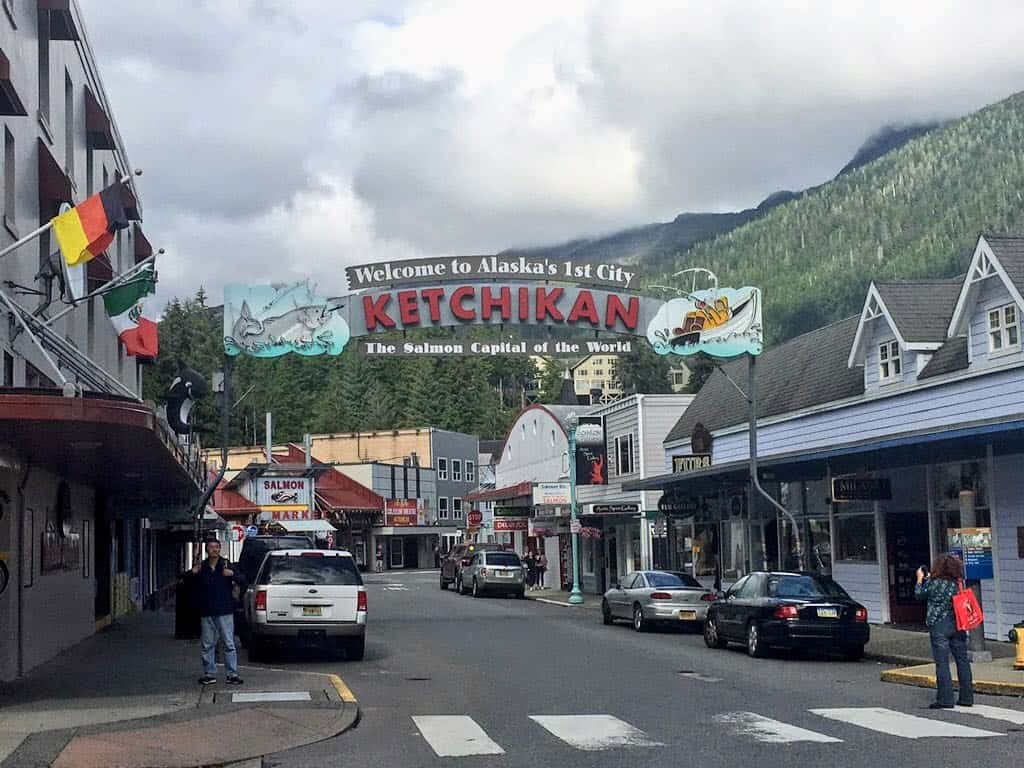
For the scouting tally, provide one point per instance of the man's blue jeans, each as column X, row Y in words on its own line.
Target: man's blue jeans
column 214, row 628
column 946, row 639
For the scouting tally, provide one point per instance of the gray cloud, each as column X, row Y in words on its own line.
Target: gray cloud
column 282, row 139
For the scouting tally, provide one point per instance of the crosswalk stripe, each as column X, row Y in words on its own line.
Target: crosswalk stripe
column 770, row 731
column 899, row 724
column 1014, row 716
column 594, row 732
column 455, row 736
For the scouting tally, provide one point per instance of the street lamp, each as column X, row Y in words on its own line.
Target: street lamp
column 576, row 596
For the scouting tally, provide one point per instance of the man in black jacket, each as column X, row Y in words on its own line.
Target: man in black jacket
column 213, row 582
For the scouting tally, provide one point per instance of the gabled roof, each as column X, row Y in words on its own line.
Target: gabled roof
column 805, row 371
column 951, row 356
column 994, row 255
column 917, row 311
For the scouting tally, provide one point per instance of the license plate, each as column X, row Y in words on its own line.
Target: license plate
column 504, row 575
column 828, row 613
column 311, row 610
column 687, row 615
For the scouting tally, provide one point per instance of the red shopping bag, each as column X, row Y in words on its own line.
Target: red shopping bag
column 966, row 609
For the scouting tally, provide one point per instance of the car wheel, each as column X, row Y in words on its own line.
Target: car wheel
column 853, row 652
column 355, row 649
column 639, row 623
column 444, row 584
column 521, row 594
column 712, row 639
column 755, row 647
column 476, row 589
column 606, row 614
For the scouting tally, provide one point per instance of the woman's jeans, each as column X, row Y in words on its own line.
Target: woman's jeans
column 946, row 639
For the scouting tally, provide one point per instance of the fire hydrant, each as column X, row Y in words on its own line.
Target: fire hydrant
column 1017, row 636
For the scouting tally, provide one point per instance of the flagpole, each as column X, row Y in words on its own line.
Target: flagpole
column 122, row 278
column 27, row 238
column 14, row 308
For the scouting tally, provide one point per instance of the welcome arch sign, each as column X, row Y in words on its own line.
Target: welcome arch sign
column 594, row 299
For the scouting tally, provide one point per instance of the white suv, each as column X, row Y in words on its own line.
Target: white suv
column 313, row 596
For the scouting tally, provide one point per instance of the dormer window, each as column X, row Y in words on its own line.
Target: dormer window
column 890, row 366
column 1003, row 329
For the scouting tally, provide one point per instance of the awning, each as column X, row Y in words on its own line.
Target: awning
column 517, row 491
column 143, row 250
column 10, row 102
column 306, row 526
column 62, row 19
column 54, row 184
column 98, row 132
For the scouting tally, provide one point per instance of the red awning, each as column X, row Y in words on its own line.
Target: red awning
column 231, row 503
column 503, row 494
column 54, row 184
column 98, row 133
column 346, row 500
column 10, row 102
column 62, row 19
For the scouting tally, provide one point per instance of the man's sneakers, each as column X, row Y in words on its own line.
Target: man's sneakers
column 230, row 680
column 234, row 680
column 207, row 680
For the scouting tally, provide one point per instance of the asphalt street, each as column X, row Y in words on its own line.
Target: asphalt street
column 503, row 682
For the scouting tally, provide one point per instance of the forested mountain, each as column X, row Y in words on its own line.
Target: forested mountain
column 654, row 245
column 916, row 211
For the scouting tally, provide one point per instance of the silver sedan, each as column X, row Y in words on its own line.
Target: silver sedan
column 648, row 597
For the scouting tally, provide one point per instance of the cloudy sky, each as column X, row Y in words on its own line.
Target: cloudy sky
column 289, row 138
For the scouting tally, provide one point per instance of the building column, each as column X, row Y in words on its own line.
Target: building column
column 993, row 511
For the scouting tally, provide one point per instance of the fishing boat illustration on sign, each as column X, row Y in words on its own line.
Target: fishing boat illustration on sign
column 720, row 322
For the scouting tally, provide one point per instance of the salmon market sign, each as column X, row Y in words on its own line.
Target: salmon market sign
column 594, row 300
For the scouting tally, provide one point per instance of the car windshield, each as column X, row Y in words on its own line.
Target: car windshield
column 304, row 569
column 503, row 558
column 801, row 587
column 667, row 580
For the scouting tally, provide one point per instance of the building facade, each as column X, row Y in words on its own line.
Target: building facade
column 95, row 490
column 884, row 436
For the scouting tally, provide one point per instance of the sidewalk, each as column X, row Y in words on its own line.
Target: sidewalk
column 127, row 697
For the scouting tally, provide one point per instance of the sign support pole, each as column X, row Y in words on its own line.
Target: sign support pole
column 225, row 438
column 755, row 481
column 576, row 596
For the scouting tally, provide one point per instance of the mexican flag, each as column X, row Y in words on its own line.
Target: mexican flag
column 124, row 307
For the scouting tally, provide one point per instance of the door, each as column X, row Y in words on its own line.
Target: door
column 103, row 559
column 907, row 541
column 397, row 552
column 612, row 560
column 728, row 609
column 618, row 599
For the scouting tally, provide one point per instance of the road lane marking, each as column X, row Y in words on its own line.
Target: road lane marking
column 247, row 698
column 899, row 724
column 703, row 678
column 343, row 690
column 455, row 736
column 770, row 731
column 594, row 732
column 1014, row 716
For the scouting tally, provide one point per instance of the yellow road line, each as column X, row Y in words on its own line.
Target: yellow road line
column 342, row 689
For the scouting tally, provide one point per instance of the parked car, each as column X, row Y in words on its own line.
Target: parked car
column 649, row 597
column 493, row 571
column 457, row 558
column 254, row 549
column 308, row 596
column 788, row 610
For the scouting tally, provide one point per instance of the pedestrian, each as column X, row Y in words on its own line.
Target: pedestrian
column 378, row 566
column 938, row 588
column 214, row 581
column 542, row 567
column 531, row 569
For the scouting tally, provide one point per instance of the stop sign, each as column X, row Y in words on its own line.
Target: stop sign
column 475, row 518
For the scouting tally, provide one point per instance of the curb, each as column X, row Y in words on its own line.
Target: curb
column 996, row 688
column 895, row 658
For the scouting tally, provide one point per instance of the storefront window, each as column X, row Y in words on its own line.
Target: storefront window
column 855, row 539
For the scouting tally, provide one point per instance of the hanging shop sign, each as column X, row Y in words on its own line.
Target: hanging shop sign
column 861, row 489
column 673, row 503
column 511, row 511
column 401, row 512
column 511, row 524
column 551, row 494
column 591, row 451
column 974, row 547
column 614, row 509
column 272, row 491
column 272, row 320
column 691, row 463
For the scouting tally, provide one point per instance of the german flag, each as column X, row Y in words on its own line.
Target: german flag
column 88, row 229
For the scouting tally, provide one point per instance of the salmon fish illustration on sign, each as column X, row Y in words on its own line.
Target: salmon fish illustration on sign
column 268, row 321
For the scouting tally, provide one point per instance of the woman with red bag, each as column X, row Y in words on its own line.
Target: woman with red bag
column 939, row 588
